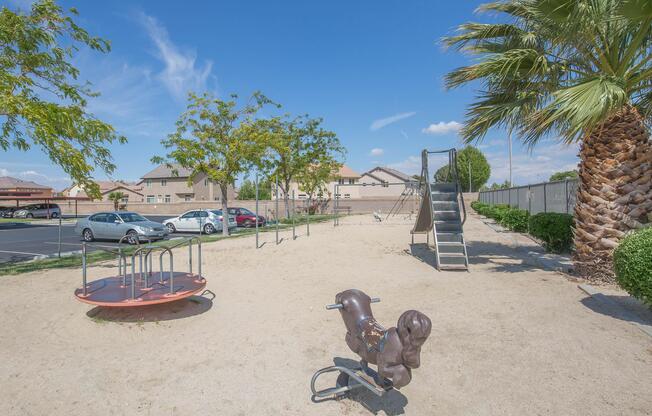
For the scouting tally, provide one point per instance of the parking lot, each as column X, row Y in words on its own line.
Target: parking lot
column 20, row 241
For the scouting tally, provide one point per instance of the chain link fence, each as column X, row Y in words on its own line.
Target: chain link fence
column 558, row 196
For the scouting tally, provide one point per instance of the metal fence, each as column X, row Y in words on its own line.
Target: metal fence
column 559, row 196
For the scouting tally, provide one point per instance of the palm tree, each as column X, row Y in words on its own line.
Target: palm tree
column 116, row 197
column 581, row 69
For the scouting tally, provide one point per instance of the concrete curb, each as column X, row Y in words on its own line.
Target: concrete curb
column 615, row 309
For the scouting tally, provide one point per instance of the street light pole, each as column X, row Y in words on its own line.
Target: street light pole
column 509, row 140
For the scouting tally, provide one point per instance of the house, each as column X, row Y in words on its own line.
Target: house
column 379, row 177
column 165, row 185
column 13, row 187
column 132, row 192
column 344, row 175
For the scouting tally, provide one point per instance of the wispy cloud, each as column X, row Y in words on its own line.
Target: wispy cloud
column 536, row 167
column 181, row 73
column 411, row 165
column 384, row 122
column 376, row 151
column 443, row 127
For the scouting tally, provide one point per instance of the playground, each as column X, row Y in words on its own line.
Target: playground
column 507, row 337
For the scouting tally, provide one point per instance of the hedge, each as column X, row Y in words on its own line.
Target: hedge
column 556, row 230
column 633, row 264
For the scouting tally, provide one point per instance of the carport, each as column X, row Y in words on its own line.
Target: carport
column 21, row 200
column 47, row 200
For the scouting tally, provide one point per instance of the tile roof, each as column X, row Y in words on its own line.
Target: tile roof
column 396, row 173
column 163, row 171
column 347, row 172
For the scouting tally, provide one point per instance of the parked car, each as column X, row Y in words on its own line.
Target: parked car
column 246, row 218
column 8, row 212
column 115, row 225
column 38, row 211
column 208, row 221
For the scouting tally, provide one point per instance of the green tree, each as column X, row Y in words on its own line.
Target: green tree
column 314, row 178
column 560, row 176
column 218, row 139
column 116, row 197
column 294, row 145
column 479, row 169
column 581, row 69
column 247, row 190
column 41, row 103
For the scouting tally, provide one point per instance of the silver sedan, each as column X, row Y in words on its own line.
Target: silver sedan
column 115, row 225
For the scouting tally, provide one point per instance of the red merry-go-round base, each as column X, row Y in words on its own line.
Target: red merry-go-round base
column 110, row 291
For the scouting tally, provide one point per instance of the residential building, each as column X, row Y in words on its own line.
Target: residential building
column 13, row 187
column 378, row 178
column 165, row 185
column 132, row 192
column 345, row 175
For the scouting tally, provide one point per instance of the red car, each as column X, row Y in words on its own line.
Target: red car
column 246, row 218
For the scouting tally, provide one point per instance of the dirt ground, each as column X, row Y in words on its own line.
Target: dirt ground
column 507, row 338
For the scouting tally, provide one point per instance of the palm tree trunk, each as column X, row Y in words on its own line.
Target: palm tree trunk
column 615, row 192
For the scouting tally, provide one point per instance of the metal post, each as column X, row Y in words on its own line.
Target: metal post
column 470, row 187
column 276, row 208
column 84, row 269
column 545, row 198
column 133, row 278
column 140, row 263
column 190, row 256
column 59, row 236
column 308, row 217
column 199, row 258
column 294, row 233
column 529, row 199
column 566, row 195
column 336, row 206
column 160, row 265
column 509, row 140
column 257, row 210
column 171, row 279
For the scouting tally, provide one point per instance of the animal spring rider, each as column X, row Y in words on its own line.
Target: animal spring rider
column 395, row 351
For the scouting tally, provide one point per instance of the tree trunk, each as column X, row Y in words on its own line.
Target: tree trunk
column 287, row 199
column 615, row 192
column 225, row 209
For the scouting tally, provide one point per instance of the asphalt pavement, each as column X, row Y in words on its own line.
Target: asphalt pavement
column 22, row 241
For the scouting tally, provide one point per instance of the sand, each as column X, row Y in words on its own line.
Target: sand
column 507, row 339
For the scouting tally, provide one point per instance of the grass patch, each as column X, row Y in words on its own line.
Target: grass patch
column 94, row 257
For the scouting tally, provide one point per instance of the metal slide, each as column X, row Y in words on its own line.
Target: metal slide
column 443, row 213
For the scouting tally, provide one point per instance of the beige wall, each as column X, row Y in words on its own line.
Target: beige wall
column 267, row 208
column 348, row 192
column 377, row 191
column 177, row 189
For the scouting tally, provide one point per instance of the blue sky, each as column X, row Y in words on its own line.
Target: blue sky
column 372, row 69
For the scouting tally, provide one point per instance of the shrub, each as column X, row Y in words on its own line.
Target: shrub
column 633, row 264
column 516, row 220
column 556, row 230
column 497, row 212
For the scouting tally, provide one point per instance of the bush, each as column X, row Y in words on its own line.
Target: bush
column 556, row 230
column 516, row 220
column 633, row 264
